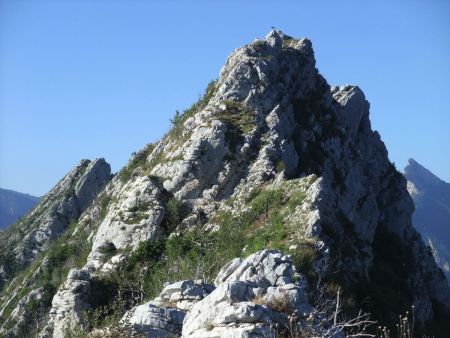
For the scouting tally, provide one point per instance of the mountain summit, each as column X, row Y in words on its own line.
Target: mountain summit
column 274, row 187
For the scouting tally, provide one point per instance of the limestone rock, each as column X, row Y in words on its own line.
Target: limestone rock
column 184, row 294
column 65, row 203
column 134, row 216
column 163, row 317
column 68, row 304
column 254, row 299
column 154, row 321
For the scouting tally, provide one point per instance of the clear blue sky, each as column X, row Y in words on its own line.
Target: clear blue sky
column 86, row 79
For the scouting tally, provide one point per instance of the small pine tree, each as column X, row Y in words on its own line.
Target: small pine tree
column 176, row 118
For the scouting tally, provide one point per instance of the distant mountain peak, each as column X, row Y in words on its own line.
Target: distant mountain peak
column 421, row 177
column 431, row 217
column 13, row 205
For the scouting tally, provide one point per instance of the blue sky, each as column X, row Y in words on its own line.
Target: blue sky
column 86, row 79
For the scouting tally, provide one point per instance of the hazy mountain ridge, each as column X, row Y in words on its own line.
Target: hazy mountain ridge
column 431, row 217
column 270, row 157
column 14, row 205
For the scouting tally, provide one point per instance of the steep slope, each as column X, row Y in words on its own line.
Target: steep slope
column 431, row 218
column 13, row 205
column 22, row 244
column 270, row 157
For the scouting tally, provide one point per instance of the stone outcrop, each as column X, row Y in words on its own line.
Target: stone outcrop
column 163, row 317
column 14, row 324
column 253, row 299
column 134, row 215
column 68, row 304
column 272, row 117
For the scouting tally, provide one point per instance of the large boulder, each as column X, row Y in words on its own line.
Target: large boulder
column 254, row 298
column 163, row 317
column 154, row 321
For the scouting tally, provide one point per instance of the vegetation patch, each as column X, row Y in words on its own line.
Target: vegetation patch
column 239, row 122
column 176, row 133
column 137, row 160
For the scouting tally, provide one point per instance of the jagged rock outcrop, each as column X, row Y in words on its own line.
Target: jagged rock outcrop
column 269, row 130
column 163, row 317
column 33, row 234
column 252, row 300
column 270, row 117
column 20, row 313
column 134, row 215
column 285, row 112
column 431, row 217
column 68, row 304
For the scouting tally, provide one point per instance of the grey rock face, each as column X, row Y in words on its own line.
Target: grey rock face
column 133, row 216
column 154, row 321
column 431, row 217
column 68, row 304
column 64, row 204
column 184, row 294
column 257, row 299
column 97, row 174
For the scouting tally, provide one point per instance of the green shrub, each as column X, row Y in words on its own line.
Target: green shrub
column 108, row 250
column 179, row 118
column 303, row 257
column 137, row 160
column 103, row 202
column 175, row 212
column 238, row 120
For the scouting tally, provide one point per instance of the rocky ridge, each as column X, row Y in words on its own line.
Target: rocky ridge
column 33, row 234
column 271, row 156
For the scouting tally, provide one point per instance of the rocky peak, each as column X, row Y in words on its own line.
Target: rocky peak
column 270, row 157
column 272, row 117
